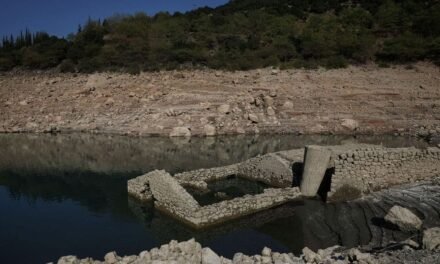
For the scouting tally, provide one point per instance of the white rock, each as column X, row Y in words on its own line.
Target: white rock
column 210, row 257
column 350, row 124
column 110, row 101
column 268, row 101
column 288, row 105
column 266, row 252
column 68, row 260
column 180, row 132
column 270, row 111
column 310, row 256
column 111, row 258
column 431, row 238
column 253, row 118
column 210, row 130
column 403, row 218
column 224, row 109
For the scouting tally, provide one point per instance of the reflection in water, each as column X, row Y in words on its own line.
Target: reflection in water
column 66, row 194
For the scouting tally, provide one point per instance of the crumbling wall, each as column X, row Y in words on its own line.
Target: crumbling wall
column 169, row 193
column 374, row 168
column 270, row 169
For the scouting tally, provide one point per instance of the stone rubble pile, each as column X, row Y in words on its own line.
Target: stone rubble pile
column 192, row 252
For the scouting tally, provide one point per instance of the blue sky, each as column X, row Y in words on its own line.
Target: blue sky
column 60, row 17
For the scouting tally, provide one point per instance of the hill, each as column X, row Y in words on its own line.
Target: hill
column 241, row 35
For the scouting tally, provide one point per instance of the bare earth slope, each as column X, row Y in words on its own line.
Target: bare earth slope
column 363, row 99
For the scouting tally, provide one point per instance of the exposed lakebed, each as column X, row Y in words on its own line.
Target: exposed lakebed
column 66, row 194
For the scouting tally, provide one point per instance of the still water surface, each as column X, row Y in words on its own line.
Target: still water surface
column 66, row 194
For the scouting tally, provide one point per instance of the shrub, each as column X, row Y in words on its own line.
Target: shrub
column 67, row 66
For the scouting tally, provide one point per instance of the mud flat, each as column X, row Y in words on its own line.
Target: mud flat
column 355, row 100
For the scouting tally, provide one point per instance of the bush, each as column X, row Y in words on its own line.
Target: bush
column 67, row 66
column 335, row 62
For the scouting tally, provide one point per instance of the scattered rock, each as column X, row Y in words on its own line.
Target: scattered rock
column 270, row 111
column 266, row 252
column 209, row 130
column 109, row 102
column 69, row 260
column 268, row 101
column 224, row 109
column 288, row 105
column 253, row 118
column 111, row 257
column 310, row 256
column 23, row 103
column 431, row 238
column 350, row 124
column 404, row 219
column 273, row 93
column 210, row 257
column 180, row 132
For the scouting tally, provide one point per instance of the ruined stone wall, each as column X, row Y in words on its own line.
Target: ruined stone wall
column 374, row 168
column 170, row 193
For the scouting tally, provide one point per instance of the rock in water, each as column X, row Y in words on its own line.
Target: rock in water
column 210, row 257
column 210, row 130
column 180, row 132
column 404, row 219
column 431, row 238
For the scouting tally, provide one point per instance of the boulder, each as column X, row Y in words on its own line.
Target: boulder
column 268, row 101
column 111, row 258
column 180, row 132
column 210, row 257
column 69, row 260
column 288, row 105
column 310, row 256
column 350, row 124
column 404, row 219
column 253, row 118
column 270, row 111
column 431, row 238
column 224, row 109
column 209, row 130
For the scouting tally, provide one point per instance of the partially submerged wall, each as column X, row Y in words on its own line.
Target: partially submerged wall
column 359, row 169
column 374, row 168
column 173, row 199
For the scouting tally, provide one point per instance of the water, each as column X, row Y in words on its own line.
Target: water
column 66, row 194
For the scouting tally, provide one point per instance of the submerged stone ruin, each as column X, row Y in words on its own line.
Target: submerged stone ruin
column 332, row 172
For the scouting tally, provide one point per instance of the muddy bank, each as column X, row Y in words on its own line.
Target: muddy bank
column 356, row 100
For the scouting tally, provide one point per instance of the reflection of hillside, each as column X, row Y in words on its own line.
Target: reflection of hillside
column 93, row 191
column 106, row 154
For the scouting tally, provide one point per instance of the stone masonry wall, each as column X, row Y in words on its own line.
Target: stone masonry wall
column 170, row 193
column 372, row 168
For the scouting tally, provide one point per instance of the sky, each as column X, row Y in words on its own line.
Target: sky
column 61, row 17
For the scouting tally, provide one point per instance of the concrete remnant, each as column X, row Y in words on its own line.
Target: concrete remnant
column 316, row 160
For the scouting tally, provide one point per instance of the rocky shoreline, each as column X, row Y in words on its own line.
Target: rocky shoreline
column 191, row 251
column 356, row 100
